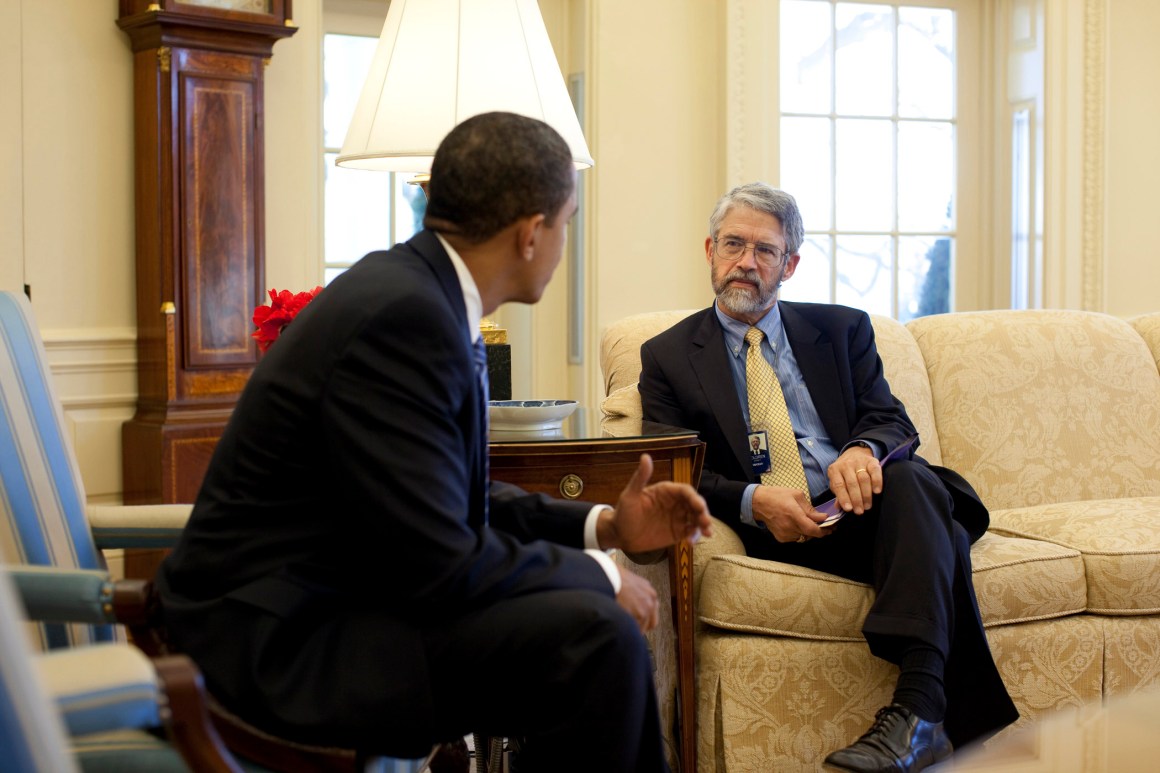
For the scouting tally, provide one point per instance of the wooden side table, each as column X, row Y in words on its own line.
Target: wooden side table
column 594, row 465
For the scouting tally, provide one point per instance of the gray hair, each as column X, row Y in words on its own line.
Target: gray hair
column 763, row 198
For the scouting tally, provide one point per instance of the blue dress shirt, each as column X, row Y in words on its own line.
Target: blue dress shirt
column 815, row 447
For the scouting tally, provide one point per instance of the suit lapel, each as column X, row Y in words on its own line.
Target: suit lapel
column 708, row 358
column 815, row 357
column 430, row 249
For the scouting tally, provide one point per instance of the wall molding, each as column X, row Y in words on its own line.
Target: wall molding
column 750, row 117
column 88, row 338
column 1094, row 176
column 93, row 368
column 94, row 371
column 100, row 402
column 735, row 127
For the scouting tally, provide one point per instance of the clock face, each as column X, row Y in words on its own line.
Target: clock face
column 250, row 6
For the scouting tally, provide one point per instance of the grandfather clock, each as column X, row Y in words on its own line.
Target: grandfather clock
column 198, row 103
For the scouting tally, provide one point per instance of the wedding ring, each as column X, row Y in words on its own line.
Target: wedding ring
column 801, row 538
column 860, row 469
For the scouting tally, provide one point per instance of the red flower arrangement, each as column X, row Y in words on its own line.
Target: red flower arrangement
column 284, row 307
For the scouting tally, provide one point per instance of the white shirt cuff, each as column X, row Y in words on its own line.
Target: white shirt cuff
column 592, row 547
column 590, row 540
column 608, row 566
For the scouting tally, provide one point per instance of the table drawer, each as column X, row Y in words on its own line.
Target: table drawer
column 597, row 483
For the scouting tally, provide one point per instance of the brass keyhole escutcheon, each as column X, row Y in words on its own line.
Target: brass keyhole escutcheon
column 571, row 486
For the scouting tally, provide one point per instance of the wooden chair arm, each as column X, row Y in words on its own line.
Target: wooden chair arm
column 187, row 718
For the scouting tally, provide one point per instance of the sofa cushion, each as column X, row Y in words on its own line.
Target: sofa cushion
column 1016, row 580
column 1037, row 407
column 905, row 370
column 740, row 593
column 1019, row 580
column 1118, row 539
column 623, row 403
column 620, row 345
column 1148, row 326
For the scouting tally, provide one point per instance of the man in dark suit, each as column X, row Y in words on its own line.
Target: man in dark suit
column 349, row 577
column 912, row 523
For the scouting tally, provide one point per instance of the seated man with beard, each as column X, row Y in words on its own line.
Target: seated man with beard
column 792, row 402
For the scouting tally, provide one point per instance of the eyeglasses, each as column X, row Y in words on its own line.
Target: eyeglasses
column 729, row 248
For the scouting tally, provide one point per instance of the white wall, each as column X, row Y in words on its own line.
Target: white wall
column 294, row 175
column 11, row 149
column 657, row 79
column 1132, row 280
column 77, row 133
column 66, row 78
column 652, row 121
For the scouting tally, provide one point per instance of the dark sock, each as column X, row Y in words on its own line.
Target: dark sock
column 920, row 683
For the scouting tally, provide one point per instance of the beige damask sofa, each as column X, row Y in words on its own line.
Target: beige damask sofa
column 1054, row 417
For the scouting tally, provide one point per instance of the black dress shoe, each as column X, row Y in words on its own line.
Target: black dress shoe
column 897, row 742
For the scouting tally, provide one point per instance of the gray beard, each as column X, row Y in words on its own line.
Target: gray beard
column 740, row 300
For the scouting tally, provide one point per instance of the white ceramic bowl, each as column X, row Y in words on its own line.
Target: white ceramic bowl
column 523, row 415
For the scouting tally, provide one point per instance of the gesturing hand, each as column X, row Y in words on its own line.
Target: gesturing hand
column 639, row 599
column 652, row 516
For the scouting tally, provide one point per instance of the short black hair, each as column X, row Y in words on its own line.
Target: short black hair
column 493, row 169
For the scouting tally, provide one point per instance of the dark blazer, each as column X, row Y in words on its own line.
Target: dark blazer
column 350, row 484
column 685, row 382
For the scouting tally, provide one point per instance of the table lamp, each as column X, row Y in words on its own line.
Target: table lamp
column 439, row 62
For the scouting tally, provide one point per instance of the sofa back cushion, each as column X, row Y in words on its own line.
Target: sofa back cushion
column 1038, row 407
column 1148, row 326
column 905, row 370
column 620, row 358
column 901, row 361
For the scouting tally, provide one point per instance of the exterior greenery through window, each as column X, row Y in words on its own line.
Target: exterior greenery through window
column 868, row 147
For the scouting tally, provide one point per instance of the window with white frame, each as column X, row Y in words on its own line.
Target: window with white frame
column 868, row 133
column 363, row 210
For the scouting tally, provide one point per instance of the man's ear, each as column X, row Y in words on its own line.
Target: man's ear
column 791, row 263
column 709, row 250
column 526, row 235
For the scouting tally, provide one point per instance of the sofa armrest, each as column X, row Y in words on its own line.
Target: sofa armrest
column 723, row 542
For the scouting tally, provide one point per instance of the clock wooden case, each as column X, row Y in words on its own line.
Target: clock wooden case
column 198, row 105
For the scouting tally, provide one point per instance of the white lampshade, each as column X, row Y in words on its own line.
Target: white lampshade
column 438, row 63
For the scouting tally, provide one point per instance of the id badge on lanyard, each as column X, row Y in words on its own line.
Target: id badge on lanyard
column 759, row 452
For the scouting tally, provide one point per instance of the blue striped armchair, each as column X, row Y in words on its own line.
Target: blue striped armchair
column 89, row 707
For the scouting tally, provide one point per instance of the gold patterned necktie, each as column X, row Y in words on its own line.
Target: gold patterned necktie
column 767, row 411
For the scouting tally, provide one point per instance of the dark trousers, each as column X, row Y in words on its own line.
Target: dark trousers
column 567, row 671
column 917, row 558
